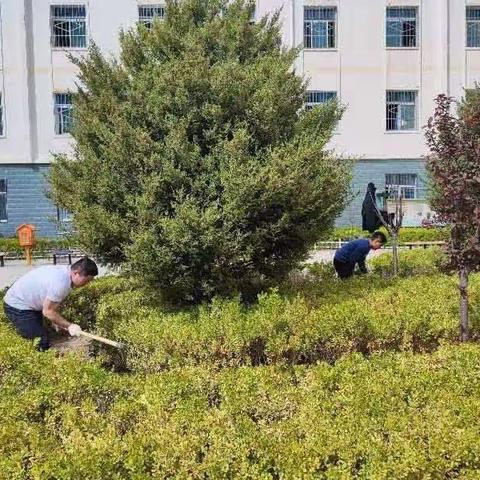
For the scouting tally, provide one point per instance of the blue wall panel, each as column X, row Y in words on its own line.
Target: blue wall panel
column 27, row 186
column 27, row 201
column 366, row 171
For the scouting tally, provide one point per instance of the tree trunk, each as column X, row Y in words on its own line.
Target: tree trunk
column 463, row 287
column 394, row 236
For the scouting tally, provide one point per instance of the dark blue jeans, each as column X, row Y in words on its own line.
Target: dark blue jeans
column 29, row 324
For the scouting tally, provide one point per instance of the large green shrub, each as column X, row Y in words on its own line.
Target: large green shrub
column 196, row 166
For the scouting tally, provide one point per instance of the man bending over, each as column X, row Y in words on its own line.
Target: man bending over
column 39, row 293
column 355, row 252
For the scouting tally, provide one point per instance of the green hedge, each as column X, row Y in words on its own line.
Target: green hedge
column 411, row 262
column 42, row 246
column 390, row 416
column 366, row 314
column 407, row 234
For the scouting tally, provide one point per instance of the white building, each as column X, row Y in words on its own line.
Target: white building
column 385, row 59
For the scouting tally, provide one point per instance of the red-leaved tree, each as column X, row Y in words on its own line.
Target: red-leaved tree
column 454, row 168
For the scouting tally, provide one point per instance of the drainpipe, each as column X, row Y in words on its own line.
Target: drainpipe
column 292, row 6
column 448, row 47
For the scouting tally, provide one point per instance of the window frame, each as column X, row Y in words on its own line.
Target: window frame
column 327, row 23
column 71, row 19
column 400, row 104
column 64, row 217
column 309, row 104
column 402, row 187
column 467, row 21
column 403, row 19
column 147, row 22
column 57, row 114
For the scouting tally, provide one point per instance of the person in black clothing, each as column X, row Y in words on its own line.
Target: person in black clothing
column 370, row 220
column 355, row 252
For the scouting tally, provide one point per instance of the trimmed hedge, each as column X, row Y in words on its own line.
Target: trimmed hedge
column 392, row 416
column 407, row 234
column 362, row 315
column 411, row 262
column 42, row 246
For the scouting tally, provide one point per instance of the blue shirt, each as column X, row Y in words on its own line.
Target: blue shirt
column 353, row 252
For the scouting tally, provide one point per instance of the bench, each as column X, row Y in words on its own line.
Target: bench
column 425, row 244
column 69, row 253
column 58, row 254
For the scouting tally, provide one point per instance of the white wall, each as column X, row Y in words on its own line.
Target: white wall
column 360, row 69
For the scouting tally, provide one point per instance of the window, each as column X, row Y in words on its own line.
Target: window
column 315, row 97
column 1, row 115
column 401, row 110
column 3, row 199
column 253, row 16
column 319, row 27
column 147, row 14
column 402, row 184
column 63, row 216
column 63, row 113
column 69, row 26
column 473, row 27
column 401, row 27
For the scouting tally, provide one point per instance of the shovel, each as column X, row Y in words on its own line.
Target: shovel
column 102, row 340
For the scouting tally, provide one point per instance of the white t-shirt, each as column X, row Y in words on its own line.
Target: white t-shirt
column 30, row 291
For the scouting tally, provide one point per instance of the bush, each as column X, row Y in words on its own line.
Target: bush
column 81, row 304
column 42, row 245
column 210, row 179
column 392, row 416
column 345, row 318
column 411, row 262
column 407, row 234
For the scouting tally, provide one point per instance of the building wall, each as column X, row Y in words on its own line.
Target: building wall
column 27, row 201
column 366, row 171
column 360, row 69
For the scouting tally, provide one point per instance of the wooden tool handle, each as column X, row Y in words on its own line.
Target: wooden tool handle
column 101, row 339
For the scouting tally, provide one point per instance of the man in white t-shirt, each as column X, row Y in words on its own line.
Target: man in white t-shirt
column 39, row 294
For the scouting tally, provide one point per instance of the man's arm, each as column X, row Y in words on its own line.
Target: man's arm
column 362, row 266
column 50, row 311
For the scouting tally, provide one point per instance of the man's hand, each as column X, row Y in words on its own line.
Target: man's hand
column 74, row 330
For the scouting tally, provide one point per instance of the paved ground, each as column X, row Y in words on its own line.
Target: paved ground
column 14, row 269
column 327, row 255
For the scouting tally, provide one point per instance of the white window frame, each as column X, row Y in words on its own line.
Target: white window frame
column 401, row 104
column 70, row 19
column 4, row 194
column 327, row 23
column 147, row 21
column 64, row 216
column 472, row 22
column 322, row 96
column 400, row 185
column 59, row 110
column 403, row 19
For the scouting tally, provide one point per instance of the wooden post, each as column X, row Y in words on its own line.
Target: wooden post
column 28, row 255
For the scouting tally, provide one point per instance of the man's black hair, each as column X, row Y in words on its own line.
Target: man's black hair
column 379, row 236
column 86, row 267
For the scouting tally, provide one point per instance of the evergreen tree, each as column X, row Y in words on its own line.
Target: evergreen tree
column 196, row 166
